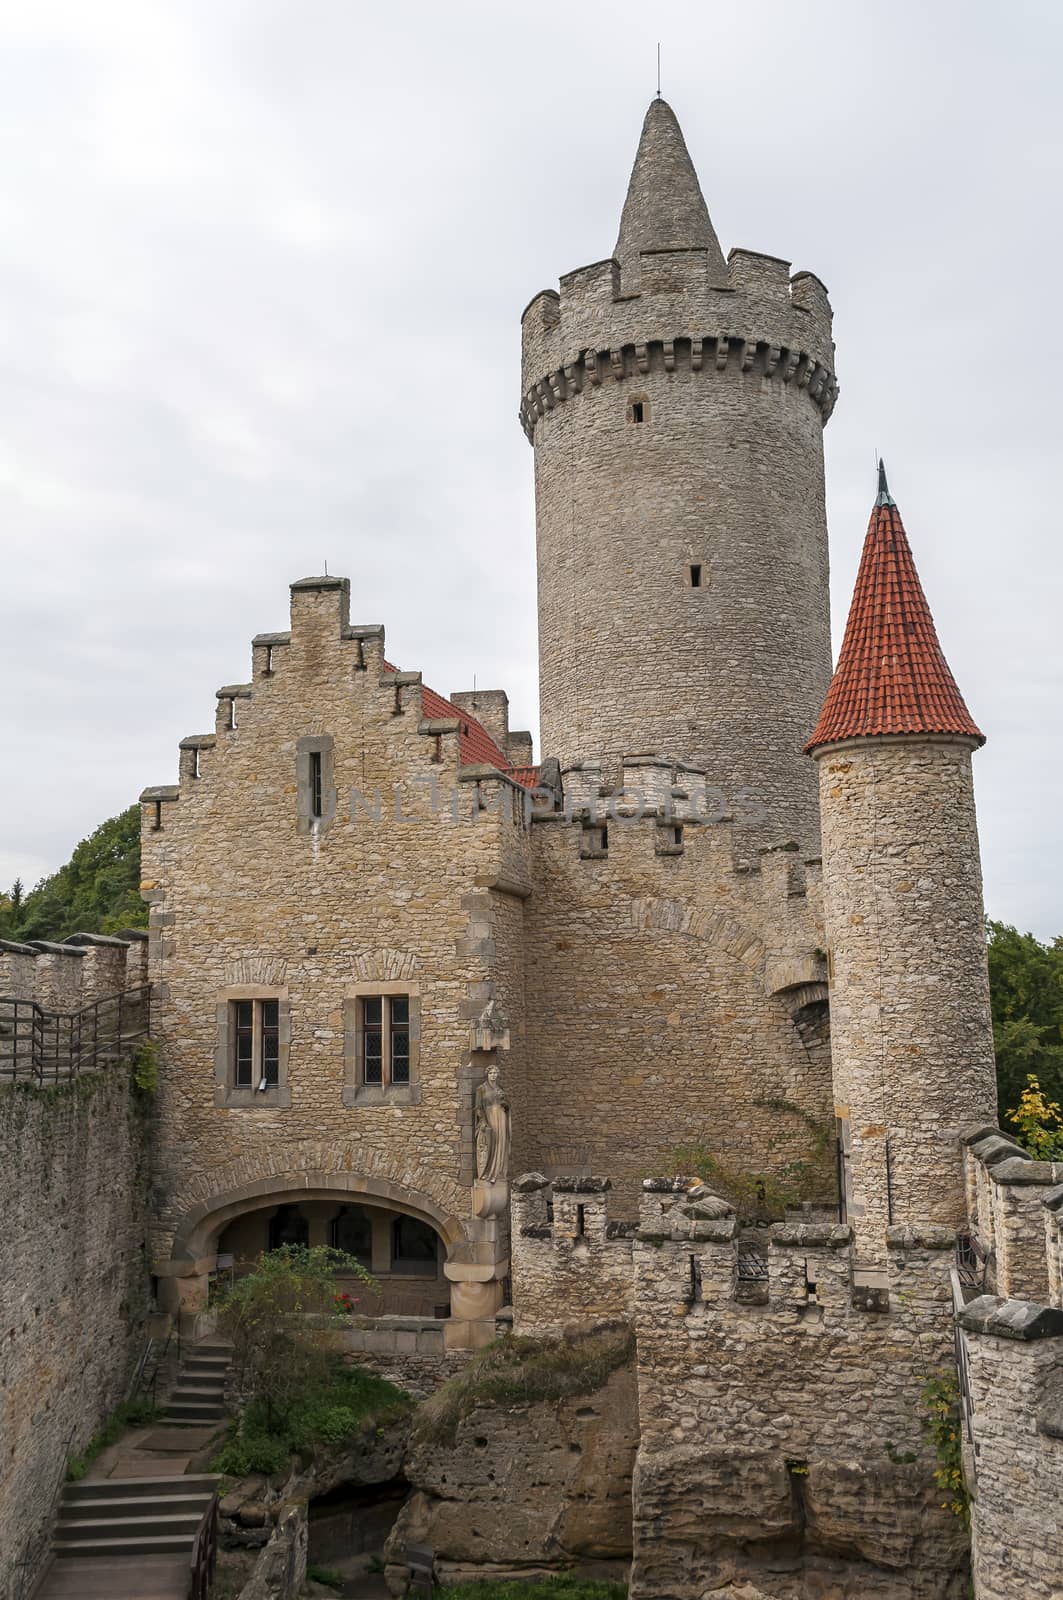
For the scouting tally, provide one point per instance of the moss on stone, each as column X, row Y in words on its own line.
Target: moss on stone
column 516, row 1371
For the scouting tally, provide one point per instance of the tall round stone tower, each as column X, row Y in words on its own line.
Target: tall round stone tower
column 676, row 405
column 911, row 1036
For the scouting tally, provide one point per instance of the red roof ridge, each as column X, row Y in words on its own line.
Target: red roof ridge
column 892, row 677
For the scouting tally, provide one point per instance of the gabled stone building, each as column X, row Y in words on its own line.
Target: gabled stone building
column 365, row 897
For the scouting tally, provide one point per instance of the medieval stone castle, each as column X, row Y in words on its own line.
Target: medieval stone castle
column 421, row 998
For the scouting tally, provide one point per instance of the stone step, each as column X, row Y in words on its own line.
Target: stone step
column 104, row 1507
column 192, row 1410
column 201, row 1483
column 116, row 1578
column 159, row 1522
column 154, row 1544
column 193, row 1389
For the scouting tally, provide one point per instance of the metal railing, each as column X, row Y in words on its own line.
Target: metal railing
column 45, row 1046
column 205, row 1553
column 973, row 1263
column 960, row 1296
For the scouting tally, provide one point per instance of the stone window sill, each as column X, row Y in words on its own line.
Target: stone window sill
column 277, row 1098
column 363, row 1094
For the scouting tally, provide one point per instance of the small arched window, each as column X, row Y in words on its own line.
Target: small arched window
column 638, row 409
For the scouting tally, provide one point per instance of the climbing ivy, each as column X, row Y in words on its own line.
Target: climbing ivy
column 943, row 1426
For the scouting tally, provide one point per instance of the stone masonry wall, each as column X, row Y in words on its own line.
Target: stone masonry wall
column 571, row 1269
column 1009, row 1191
column 73, row 1286
column 781, row 1438
column 665, row 987
column 1014, row 1355
column 411, row 881
column 912, row 1042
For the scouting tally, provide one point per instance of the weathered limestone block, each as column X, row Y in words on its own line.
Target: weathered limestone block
column 526, row 1487
column 280, row 1571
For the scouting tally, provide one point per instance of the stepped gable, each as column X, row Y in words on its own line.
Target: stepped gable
column 892, row 676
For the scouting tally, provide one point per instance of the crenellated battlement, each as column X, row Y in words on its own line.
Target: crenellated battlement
column 761, row 321
column 574, row 1266
column 1015, row 1206
column 66, row 976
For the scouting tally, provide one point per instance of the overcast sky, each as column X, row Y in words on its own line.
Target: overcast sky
column 261, row 273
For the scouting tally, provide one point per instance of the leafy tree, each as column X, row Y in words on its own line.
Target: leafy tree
column 1026, row 992
column 280, row 1318
column 97, row 891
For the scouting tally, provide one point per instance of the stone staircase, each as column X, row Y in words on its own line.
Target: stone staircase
column 132, row 1537
column 198, row 1397
column 131, row 1516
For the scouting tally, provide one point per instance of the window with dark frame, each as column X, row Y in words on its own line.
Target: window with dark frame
column 385, row 1040
column 351, row 1231
column 414, row 1245
column 315, row 783
column 255, row 1043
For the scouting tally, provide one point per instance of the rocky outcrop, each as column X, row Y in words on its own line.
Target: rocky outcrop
column 280, row 1571
column 724, row 1519
column 524, row 1488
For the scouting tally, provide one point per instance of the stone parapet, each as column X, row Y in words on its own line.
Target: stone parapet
column 571, row 1264
column 1014, row 1211
column 1013, row 1360
column 761, row 321
column 64, row 977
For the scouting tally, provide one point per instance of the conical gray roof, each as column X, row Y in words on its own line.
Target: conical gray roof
column 665, row 208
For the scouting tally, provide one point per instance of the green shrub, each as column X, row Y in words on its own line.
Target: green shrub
column 243, row 1454
column 515, row 1370
column 146, row 1067
column 330, row 1412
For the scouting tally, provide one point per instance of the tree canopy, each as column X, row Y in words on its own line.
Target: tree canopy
column 97, row 891
column 1026, row 992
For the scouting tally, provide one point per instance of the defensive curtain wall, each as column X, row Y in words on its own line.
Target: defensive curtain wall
column 74, row 1198
column 781, row 1387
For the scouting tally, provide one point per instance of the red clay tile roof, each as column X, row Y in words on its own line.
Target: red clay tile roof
column 891, row 675
column 527, row 777
column 476, row 748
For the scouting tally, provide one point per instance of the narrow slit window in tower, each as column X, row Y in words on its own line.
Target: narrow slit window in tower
column 581, row 1221
column 695, row 575
column 267, row 670
column 637, row 411
column 315, row 783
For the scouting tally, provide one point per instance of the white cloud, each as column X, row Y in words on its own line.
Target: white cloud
column 261, row 269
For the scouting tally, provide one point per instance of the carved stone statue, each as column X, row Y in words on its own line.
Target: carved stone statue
column 492, row 1129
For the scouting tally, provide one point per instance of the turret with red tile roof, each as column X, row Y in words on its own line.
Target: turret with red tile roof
column 911, row 1039
column 892, row 676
